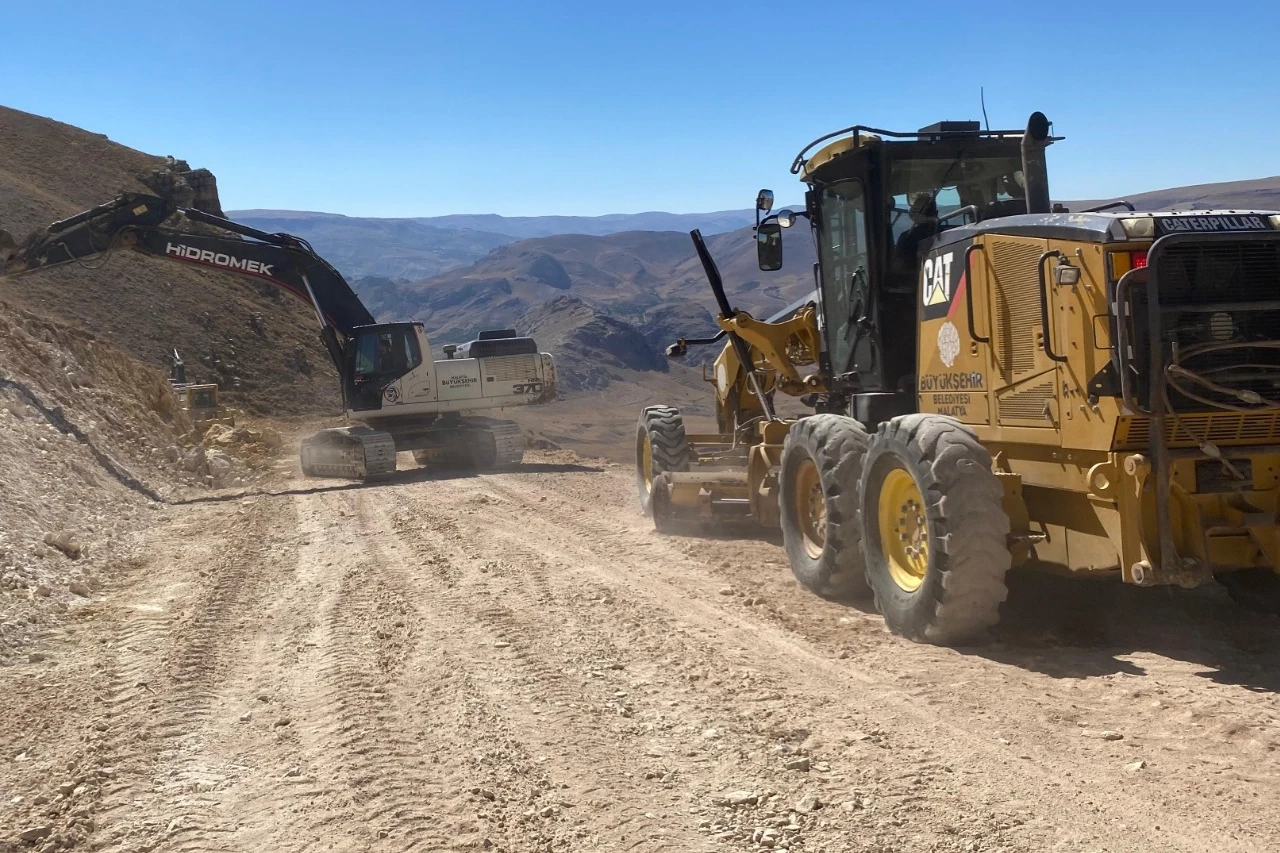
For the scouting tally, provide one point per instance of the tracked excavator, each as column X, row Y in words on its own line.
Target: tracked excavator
column 997, row 384
column 395, row 396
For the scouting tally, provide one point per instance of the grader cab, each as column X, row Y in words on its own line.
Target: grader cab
column 997, row 384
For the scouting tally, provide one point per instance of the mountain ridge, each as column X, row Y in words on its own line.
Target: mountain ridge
column 421, row 247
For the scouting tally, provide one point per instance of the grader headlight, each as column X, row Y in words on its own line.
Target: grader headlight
column 1138, row 227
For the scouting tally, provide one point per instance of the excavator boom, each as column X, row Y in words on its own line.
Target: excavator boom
column 135, row 221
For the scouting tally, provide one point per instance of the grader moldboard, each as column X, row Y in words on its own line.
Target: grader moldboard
column 996, row 383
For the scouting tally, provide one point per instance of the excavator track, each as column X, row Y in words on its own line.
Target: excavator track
column 351, row 453
column 482, row 444
column 508, row 442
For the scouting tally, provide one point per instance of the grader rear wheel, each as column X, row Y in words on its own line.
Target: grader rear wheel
column 821, row 531
column 661, row 446
column 936, row 542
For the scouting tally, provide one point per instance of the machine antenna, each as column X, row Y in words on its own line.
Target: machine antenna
column 982, row 96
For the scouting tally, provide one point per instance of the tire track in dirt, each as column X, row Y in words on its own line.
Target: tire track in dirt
column 516, row 662
column 147, row 660
column 74, row 765
column 720, row 680
column 665, row 644
column 909, row 694
column 343, row 754
column 204, row 640
column 527, row 671
column 379, row 705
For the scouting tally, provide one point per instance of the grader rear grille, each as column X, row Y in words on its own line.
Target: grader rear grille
column 1017, row 306
column 1223, row 428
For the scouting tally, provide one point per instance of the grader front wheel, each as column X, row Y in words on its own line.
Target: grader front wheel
column 821, row 530
column 661, row 446
column 936, row 541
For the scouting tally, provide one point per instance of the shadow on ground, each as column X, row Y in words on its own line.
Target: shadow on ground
column 1077, row 628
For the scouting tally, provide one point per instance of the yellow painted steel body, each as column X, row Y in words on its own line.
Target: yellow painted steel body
column 731, row 483
column 1078, row 484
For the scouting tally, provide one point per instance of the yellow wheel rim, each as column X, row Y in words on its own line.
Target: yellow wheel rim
column 904, row 529
column 646, row 464
column 811, row 508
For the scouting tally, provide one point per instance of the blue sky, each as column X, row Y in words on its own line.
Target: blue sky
column 426, row 108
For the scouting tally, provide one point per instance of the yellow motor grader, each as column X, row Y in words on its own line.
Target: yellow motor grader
column 996, row 383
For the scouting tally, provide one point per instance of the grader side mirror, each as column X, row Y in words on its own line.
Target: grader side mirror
column 764, row 201
column 769, row 245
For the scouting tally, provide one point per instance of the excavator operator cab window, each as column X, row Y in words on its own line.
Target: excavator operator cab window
column 386, row 353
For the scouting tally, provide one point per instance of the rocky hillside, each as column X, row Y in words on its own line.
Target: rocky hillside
column 146, row 307
column 521, row 227
column 681, row 318
column 92, row 444
column 654, row 281
column 591, row 348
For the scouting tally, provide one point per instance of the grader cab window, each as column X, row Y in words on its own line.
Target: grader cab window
column 932, row 194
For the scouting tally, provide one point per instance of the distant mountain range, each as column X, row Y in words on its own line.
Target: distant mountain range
column 649, row 279
column 420, row 247
column 1259, row 194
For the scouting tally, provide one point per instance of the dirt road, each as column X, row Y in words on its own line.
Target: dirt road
column 517, row 662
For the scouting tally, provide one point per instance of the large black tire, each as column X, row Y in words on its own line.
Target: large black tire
column 661, row 446
column 1257, row 590
column 817, row 494
column 936, row 533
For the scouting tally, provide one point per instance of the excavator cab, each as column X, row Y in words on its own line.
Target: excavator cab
column 378, row 356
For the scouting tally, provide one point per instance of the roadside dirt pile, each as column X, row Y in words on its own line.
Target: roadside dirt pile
column 90, row 441
column 147, row 307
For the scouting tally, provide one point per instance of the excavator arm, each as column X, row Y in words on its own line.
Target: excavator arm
column 137, row 222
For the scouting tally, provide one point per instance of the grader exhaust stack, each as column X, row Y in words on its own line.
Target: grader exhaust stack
column 1035, row 170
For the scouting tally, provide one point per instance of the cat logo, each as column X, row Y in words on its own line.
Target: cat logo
column 936, row 286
